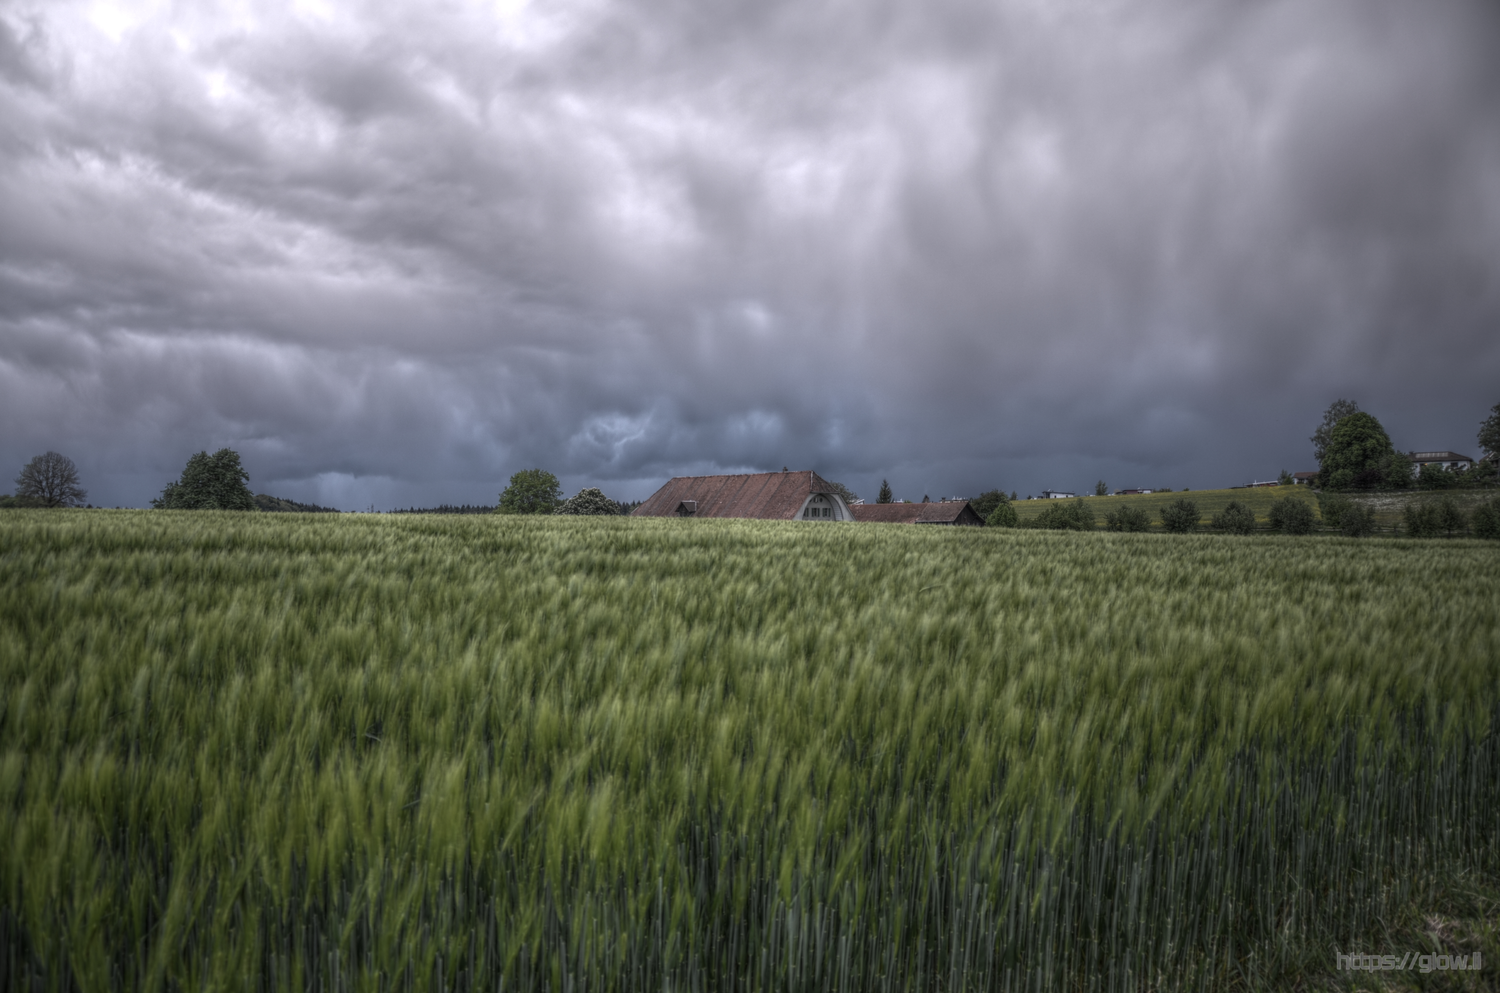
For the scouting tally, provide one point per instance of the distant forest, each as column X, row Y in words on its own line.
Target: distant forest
column 264, row 501
column 449, row 508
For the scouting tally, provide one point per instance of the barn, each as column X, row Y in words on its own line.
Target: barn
column 765, row 496
column 952, row 512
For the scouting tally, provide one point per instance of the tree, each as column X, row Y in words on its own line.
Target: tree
column 1291, row 516
column 1101, row 488
column 1012, row 495
column 209, row 482
column 531, row 491
column 985, row 503
column 589, row 503
column 1437, row 477
column 1486, row 519
column 1420, row 520
column 1489, row 435
column 50, row 480
column 1236, row 518
column 1003, row 515
column 1065, row 515
column 1180, row 517
column 1397, row 471
column 1127, row 518
column 885, row 492
column 1358, row 521
column 1285, row 479
column 1337, row 411
column 1332, row 507
column 1358, row 455
column 1450, row 519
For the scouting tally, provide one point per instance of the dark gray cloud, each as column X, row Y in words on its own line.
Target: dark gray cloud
column 393, row 252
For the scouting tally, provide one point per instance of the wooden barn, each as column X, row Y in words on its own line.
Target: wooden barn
column 766, row 496
column 951, row 512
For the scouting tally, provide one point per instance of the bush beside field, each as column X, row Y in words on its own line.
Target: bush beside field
column 373, row 752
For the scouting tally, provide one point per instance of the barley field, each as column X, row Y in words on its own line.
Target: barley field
column 337, row 752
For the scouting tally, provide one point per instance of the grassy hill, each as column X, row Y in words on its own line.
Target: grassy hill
column 1209, row 502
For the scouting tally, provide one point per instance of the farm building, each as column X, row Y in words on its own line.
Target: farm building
column 1057, row 495
column 1304, row 478
column 956, row 512
column 1443, row 460
column 766, row 496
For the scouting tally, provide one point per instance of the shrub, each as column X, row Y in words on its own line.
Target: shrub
column 1180, row 517
column 1357, row 521
column 1450, row 519
column 1066, row 515
column 1486, row 519
column 589, row 503
column 1003, row 516
column 1236, row 518
column 1333, row 507
column 1127, row 518
column 1292, row 516
column 1420, row 520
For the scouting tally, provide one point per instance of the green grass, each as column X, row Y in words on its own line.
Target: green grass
column 378, row 752
column 1209, row 502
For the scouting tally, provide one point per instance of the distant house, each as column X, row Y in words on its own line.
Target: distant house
column 1057, row 495
column 953, row 512
column 1304, row 478
column 1131, row 492
column 766, row 496
column 1444, row 460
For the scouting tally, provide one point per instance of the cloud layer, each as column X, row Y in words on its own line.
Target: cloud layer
column 392, row 252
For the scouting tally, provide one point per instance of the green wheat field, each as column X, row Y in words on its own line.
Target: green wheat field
column 322, row 752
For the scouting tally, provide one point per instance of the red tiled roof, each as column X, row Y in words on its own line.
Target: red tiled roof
column 772, row 496
column 944, row 512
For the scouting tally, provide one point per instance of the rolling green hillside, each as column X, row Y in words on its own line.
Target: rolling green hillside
column 1209, row 502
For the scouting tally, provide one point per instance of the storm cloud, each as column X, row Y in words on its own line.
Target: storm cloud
column 392, row 252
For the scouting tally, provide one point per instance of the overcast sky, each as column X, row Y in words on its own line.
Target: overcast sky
column 393, row 252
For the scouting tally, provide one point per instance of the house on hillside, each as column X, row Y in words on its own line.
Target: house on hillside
column 1304, row 478
column 952, row 512
column 1057, row 495
column 1443, row 460
column 766, row 496
column 1130, row 492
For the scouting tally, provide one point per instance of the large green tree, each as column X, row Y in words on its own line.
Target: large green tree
column 209, row 482
column 531, row 491
column 1337, row 411
column 885, row 492
column 985, row 503
column 1359, row 455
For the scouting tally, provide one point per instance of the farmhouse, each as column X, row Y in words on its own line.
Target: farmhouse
column 1304, row 478
column 1057, row 495
column 953, row 512
column 1443, row 460
column 766, row 496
